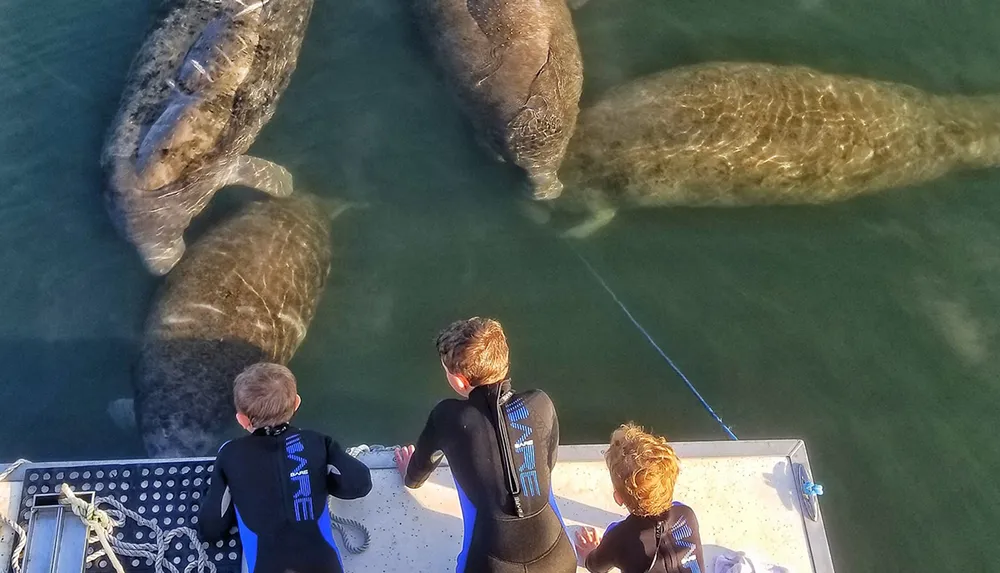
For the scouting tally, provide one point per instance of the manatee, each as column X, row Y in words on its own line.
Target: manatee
column 245, row 293
column 516, row 70
column 734, row 134
column 203, row 85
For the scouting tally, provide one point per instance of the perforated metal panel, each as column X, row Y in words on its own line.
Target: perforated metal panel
column 168, row 493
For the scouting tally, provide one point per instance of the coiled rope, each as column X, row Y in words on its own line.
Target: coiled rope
column 642, row 330
column 22, row 537
column 102, row 523
column 342, row 523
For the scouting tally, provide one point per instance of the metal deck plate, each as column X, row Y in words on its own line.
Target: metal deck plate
column 165, row 492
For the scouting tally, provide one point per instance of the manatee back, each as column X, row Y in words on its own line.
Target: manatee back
column 731, row 134
column 256, row 277
column 149, row 83
column 282, row 31
column 515, row 68
column 246, row 292
column 249, row 57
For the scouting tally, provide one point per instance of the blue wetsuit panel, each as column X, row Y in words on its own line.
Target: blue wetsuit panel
column 280, row 484
column 496, row 539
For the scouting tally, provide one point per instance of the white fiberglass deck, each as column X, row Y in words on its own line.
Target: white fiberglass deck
column 744, row 494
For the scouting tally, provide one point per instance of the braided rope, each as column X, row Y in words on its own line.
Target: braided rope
column 103, row 523
column 22, row 537
column 356, row 451
column 98, row 522
column 156, row 551
column 342, row 523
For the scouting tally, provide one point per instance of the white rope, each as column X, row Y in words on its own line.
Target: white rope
column 103, row 523
column 22, row 537
column 342, row 523
column 97, row 521
column 356, row 451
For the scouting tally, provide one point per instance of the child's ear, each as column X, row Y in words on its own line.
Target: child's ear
column 298, row 401
column 618, row 499
column 244, row 421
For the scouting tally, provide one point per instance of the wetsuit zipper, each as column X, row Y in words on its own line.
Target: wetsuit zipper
column 286, row 495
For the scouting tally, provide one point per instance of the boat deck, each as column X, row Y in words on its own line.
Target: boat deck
column 746, row 495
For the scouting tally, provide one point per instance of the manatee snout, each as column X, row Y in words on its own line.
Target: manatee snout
column 182, row 442
column 545, row 186
column 172, row 427
column 157, row 232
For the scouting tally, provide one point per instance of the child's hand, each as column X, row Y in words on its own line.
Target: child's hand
column 402, row 457
column 586, row 541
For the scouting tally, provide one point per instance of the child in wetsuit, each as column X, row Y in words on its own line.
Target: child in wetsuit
column 274, row 482
column 501, row 446
column 660, row 535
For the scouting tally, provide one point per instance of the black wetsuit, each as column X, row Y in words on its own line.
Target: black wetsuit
column 274, row 484
column 631, row 544
column 466, row 431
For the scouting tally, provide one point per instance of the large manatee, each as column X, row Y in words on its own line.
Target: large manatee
column 245, row 293
column 731, row 134
column 515, row 67
column 203, row 85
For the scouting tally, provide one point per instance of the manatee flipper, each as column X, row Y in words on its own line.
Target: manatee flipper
column 161, row 255
column 122, row 413
column 534, row 212
column 485, row 143
column 601, row 213
column 335, row 207
column 262, row 175
column 594, row 223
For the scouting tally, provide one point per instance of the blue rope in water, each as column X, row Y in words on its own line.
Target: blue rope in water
column 621, row 305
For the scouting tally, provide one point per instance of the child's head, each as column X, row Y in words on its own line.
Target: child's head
column 265, row 395
column 474, row 353
column 643, row 470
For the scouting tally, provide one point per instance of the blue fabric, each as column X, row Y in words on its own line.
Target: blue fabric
column 681, row 531
column 249, row 540
column 555, row 506
column 612, row 525
column 326, row 529
column 469, row 519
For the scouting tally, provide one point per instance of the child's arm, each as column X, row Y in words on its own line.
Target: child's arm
column 426, row 456
column 217, row 514
column 595, row 554
column 346, row 476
